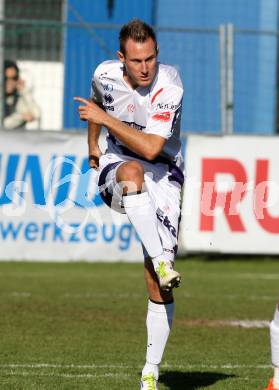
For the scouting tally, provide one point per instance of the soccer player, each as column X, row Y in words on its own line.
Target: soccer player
column 274, row 338
column 139, row 101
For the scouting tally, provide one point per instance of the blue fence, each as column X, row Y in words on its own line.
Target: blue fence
column 188, row 34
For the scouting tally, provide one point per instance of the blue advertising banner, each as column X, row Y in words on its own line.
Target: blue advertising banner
column 50, row 206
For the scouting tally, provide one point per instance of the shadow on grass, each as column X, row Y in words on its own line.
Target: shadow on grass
column 218, row 257
column 177, row 380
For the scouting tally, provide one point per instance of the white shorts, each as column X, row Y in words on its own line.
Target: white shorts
column 164, row 191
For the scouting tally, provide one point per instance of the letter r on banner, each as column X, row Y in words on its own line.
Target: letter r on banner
column 261, row 202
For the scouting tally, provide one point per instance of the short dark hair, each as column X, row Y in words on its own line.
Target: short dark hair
column 137, row 30
column 11, row 64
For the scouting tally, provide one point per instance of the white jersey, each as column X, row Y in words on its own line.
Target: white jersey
column 155, row 109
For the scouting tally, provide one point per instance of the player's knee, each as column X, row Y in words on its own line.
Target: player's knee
column 131, row 174
column 130, row 170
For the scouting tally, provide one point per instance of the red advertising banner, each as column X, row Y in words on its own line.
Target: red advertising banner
column 231, row 195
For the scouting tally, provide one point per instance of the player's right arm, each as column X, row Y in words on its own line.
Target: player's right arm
column 94, row 151
column 94, row 129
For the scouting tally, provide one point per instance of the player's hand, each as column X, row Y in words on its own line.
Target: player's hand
column 93, row 158
column 90, row 111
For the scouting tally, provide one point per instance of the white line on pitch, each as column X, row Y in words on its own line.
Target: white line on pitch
column 23, row 373
column 123, row 366
column 101, row 295
column 238, row 275
column 21, row 294
column 50, row 365
column 247, row 324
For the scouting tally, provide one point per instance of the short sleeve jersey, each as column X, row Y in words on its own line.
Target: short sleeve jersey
column 155, row 109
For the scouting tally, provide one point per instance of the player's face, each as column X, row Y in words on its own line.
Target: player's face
column 140, row 62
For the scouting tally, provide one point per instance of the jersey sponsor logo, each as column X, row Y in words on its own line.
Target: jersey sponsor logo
column 156, row 94
column 108, row 98
column 167, row 106
column 131, row 108
column 162, row 116
column 134, row 125
column 107, row 87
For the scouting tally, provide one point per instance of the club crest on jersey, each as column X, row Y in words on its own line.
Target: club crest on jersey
column 108, row 98
column 162, row 116
column 131, row 108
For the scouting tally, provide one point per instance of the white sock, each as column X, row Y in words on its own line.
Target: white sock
column 158, row 323
column 276, row 378
column 274, row 336
column 151, row 368
column 142, row 216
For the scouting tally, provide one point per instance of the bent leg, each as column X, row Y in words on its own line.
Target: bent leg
column 139, row 207
column 141, row 211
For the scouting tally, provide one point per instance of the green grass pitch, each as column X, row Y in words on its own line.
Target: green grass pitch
column 82, row 325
